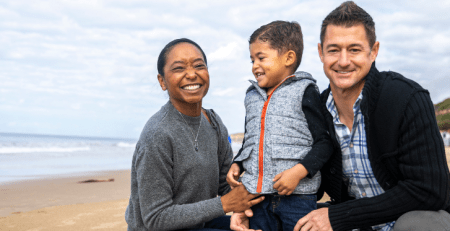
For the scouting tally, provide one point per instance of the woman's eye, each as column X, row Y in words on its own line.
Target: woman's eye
column 178, row 69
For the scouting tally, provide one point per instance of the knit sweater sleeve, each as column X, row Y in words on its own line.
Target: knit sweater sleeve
column 322, row 148
column 423, row 173
column 154, row 173
column 225, row 156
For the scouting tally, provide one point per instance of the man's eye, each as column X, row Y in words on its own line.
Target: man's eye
column 177, row 68
column 200, row 66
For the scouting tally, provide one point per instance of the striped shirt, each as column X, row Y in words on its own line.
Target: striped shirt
column 358, row 174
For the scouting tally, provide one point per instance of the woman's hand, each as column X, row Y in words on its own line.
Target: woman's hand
column 233, row 176
column 239, row 200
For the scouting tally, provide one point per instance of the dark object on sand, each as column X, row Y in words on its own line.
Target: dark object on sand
column 95, row 181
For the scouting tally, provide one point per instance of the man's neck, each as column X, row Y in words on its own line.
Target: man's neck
column 344, row 100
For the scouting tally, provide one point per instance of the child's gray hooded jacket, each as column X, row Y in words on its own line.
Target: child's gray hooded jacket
column 277, row 135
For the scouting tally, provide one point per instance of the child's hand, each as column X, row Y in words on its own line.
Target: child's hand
column 233, row 176
column 287, row 181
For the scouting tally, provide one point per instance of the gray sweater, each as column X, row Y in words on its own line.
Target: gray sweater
column 172, row 185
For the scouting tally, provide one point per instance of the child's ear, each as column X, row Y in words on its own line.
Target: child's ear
column 290, row 57
column 161, row 82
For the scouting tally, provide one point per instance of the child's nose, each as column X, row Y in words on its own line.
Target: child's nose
column 254, row 66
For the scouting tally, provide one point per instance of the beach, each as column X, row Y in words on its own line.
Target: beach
column 62, row 203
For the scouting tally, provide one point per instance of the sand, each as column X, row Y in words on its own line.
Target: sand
column 64, row 204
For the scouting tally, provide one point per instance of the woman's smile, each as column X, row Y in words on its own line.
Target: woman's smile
column 191, row 87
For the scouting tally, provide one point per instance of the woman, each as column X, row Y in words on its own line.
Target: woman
column 183, row 155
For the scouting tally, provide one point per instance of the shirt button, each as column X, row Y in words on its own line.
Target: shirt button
column 351, row 145
column 356, row 171
column 364, row 194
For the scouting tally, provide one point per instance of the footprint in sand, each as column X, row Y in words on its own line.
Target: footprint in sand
column 108, row 225
column 72, row 221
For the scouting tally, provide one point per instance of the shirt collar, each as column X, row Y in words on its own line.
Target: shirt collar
column 331, row 106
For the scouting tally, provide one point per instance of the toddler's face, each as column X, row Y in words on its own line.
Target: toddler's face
column 268, row 67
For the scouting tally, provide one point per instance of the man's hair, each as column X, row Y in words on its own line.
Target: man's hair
column 349, row 14
column 162, row 58
column 281, row 36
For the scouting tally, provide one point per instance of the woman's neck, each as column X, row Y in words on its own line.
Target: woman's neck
column 193, row 110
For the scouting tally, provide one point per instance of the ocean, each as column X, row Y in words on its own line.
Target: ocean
column 30, row 156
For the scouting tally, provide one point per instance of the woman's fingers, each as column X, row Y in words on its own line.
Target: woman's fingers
column 256, row 201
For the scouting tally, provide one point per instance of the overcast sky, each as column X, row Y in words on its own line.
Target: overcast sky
column 88, row 68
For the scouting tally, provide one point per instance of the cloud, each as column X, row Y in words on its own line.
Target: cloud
column 91, row 61
column 227, row 52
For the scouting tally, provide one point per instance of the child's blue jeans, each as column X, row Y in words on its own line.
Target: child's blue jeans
column 277, row 212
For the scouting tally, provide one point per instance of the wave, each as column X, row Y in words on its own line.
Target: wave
column 4, row 150
column 126, row 145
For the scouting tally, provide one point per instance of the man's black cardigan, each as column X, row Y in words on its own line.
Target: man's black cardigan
column 406, row 153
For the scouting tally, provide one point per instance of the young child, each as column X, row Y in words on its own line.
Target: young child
column 285, row 134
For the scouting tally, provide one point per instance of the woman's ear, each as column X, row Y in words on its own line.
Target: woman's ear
column 161, row 82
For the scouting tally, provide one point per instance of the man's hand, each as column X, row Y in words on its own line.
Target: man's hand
column 239, row 221
column 233, row 176
column 287, row 181
column 315, row 220
column 239, row 200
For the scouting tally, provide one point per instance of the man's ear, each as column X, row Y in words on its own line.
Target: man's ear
column 161, row 82
column 374, row 51
column 290, row 58
column 319, row 49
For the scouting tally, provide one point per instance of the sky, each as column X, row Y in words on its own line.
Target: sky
column 88, row 68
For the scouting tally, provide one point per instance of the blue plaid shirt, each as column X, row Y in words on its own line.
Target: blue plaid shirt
column 358, row 174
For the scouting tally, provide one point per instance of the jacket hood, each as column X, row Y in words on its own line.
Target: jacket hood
column 297, row 76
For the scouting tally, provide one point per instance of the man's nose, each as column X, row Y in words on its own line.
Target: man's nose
column 344, row 59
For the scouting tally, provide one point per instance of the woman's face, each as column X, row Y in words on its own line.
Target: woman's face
column 186, row 76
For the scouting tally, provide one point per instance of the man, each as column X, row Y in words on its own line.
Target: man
column 388, row 170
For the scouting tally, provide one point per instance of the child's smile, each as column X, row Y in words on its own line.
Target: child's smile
column 268, row 67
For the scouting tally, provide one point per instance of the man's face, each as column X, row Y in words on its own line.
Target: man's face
column 347, row 57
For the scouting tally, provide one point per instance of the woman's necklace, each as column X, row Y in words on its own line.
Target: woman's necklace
column 190, row 129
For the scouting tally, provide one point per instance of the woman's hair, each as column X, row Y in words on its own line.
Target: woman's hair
column 162, row 58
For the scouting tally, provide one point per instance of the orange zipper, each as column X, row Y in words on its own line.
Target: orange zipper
column 261, row 139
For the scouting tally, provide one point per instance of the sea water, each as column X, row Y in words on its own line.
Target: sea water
column 30, row 156
column 26, row 156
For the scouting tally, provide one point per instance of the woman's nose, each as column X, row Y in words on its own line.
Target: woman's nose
column 190, row 73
